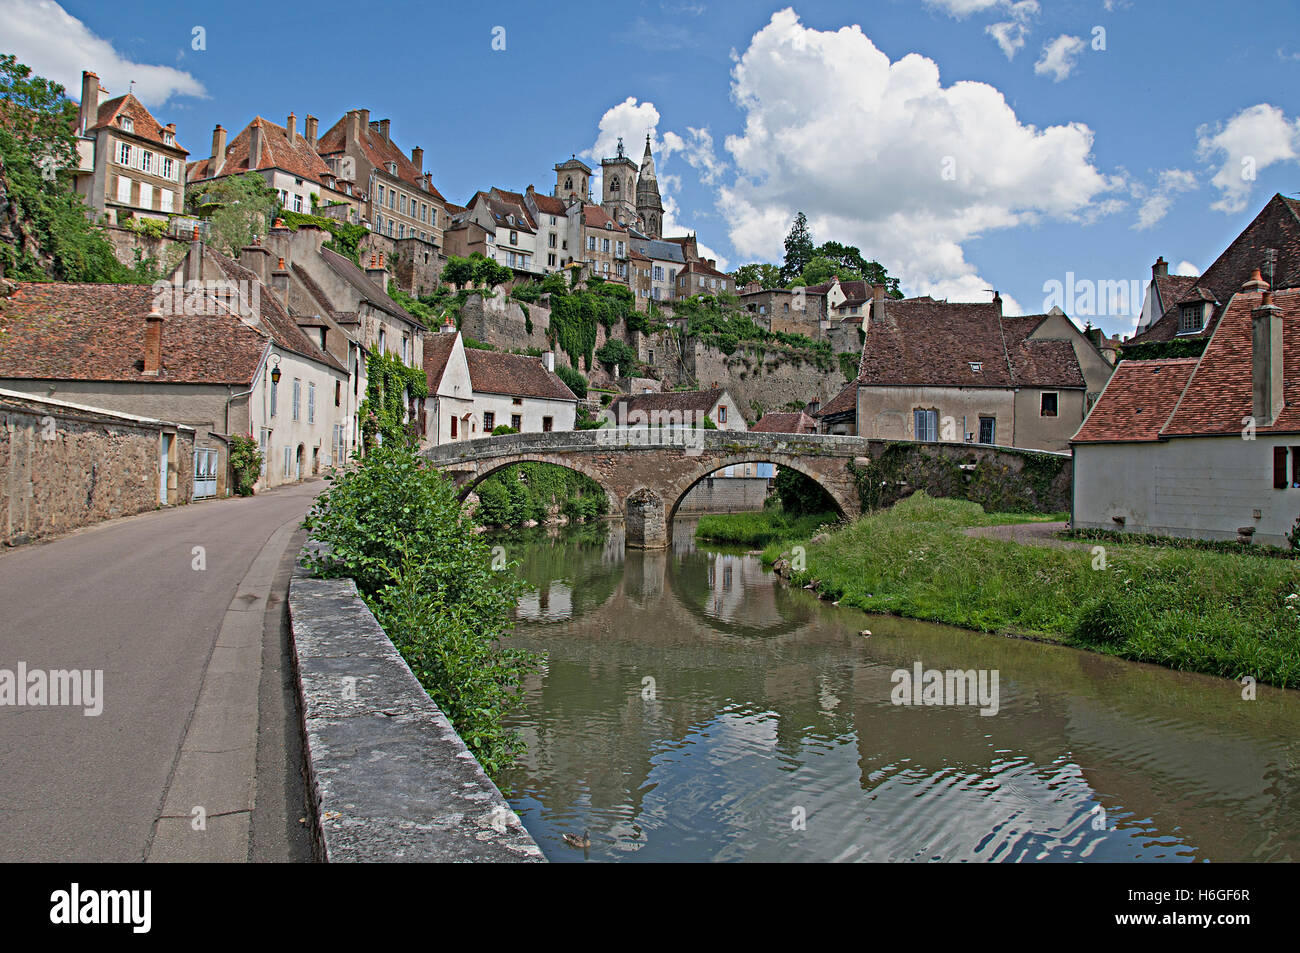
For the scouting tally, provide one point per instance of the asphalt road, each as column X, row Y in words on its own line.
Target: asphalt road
column 126, row 597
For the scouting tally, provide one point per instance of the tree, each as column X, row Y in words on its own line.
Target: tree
column 38, row 115
column 821, row 269
column 237, row 206
column 801, row 494
column 572, row 380
column 475, row 271
column 769, row 276
column 850, row 264
column 798, row 248
column 617, row 353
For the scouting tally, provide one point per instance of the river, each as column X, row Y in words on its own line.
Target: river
column 694, row 707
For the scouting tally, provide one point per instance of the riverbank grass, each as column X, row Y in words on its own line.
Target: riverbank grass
column 760, row 528
column 1227, row 614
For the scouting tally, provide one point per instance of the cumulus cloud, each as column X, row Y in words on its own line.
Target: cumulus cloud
column 1156, row 200
column 57, row 45
column 1246, row 144
column 1010, row 34
column 917, row 168
column 1187, row 270
column 1060, row 57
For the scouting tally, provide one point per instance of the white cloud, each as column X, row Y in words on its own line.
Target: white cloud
column 632, row 120
column 1060, row 57
column 1155, row 201
column 883, row 156
column 58, row 46
column 1010, row 34
column 960, row 9
column 1187, row 269
column 1248, row 143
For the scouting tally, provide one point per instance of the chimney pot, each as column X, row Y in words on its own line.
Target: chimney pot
column 1256, row 282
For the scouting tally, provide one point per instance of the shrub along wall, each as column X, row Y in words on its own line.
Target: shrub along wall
column 999, row 479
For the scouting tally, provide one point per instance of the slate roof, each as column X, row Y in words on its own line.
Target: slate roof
column 659, row 250
column 514, row 375
column 297, row 157
column 796, row 422
column 143, row 124
column 503, row 212
column 1277, row 226
column 1037, row 363
column 1216, row 388
column 1137, row 401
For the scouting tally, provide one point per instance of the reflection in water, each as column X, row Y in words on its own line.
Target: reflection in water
column 693, row 707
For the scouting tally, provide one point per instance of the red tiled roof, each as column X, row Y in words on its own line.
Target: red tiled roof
column 796, row 422
column 846, row 401
column 680, row 400
column 297, row 157
column 1037, row 363
column 437, row 352
column 96, row 332
column 143, row 125
column 549, row 204
column 594, row 216
column 515, row 375
column 1137, row 401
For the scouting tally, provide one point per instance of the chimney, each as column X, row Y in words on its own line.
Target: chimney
column 997, row 302
column 383, row 128
column 88, row 114
column 356, row 125
column 447, row 326
column 218, row 150
column 194, row 260
column 309, row 130
column 1266, row 361
column 548, row 360
column 153, row 343
column 377, row 273
column 713, row 263
column 255, row 144
column 280, row 282
column 417, row 158
column 1160, row 269
column 877, row 302
column 291, row 127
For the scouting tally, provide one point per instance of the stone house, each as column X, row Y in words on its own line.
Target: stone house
column 605, row 243
column 473, row 391
column 701, row 277
column 550, row 216
column 129, row 165
column 962, row 372
column 286, row 158
column 214, row 349
column 665, row 261
column 515, row 244
column 1202, row 447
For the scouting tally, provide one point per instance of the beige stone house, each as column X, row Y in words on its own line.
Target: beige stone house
column 129, row 165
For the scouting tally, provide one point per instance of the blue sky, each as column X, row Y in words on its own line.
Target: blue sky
column 966, row 144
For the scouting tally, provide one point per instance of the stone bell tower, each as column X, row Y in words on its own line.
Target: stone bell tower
column 619, row 187
column 648, row 204
column 571, row 178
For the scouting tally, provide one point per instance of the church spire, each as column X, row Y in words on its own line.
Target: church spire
column 648, row 203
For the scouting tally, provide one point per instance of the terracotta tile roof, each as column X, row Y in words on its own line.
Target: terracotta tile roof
column 549, row 204
column 1037, row 363
column 515, row 375
column 846, row 401
column 701, row 401
column 1219, row 393
column 1137, row 401
column 703, row 268
column 370, row 292
column 796, row 422
column 85, row 332
column 378, row 150
column 594, row 216
column 437, row 351
column 143, row 124
column 297, row 157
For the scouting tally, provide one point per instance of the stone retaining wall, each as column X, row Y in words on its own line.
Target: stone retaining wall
column 387, row 776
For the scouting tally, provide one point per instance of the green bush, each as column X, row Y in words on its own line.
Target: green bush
column 246, row 462
column 572, row 380
column 398, row 530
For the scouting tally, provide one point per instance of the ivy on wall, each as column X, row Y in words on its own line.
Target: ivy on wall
column 389, row 382
column 1153, row 350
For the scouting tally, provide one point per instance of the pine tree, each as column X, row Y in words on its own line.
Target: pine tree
column 798, row 249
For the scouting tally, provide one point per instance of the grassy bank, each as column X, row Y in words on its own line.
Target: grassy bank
column 1220, row 613
column 760, row 528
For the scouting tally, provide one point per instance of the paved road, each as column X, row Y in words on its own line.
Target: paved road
column 194, row 688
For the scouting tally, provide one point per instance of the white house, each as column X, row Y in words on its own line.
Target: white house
column 1202, row 447
column 474, row 391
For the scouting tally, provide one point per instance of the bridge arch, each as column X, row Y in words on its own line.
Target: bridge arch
column 676, row 492
column 476, row 472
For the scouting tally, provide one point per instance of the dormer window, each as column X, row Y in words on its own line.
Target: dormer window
column 169, row 139
column 392, row 168
column 126, row 123
column 976, row 366
column 1191, row 318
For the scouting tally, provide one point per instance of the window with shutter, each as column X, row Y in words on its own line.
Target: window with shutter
column 1279, row 468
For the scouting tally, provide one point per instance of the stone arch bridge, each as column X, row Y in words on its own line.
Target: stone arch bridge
column 646, row 473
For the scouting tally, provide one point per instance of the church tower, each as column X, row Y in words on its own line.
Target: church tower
column 619, row 187
column 648, row 204
column 571, row 180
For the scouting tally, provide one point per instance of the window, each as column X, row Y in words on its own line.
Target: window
column 123, row 153
column 297, row 203
column 976, row 367
column 1279, row 468
column 381, row 196
column 406, row 347
column 550, row 261
column 146, row 160
column 988, row 429
column 514, row 238
column 591, row 243
column 1047, row 408
column 926, row 423
column 338, row 393
column 604, row 245
column 650, row 357
column 517, row 422
column 127, row 124
column 123, row 189
column 722, row 413
column 168, row 139
column 166, row 198
column 551, row 240
column 311, row 403
column 453, row 427
column 146, row 195
column 620, row 251
column 517, row 402
column 546, row 424
column 1191, row 318
column 392, row 199
column 489, row 421
column 297, row 397
column 288, row 462
column 1295, row 466
column 382, row 338
column 168, row 168
column 264, row 444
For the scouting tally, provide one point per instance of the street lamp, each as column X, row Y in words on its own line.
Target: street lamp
column 275, row 368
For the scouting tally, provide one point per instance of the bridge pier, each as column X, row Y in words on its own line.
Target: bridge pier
column 646, row 522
